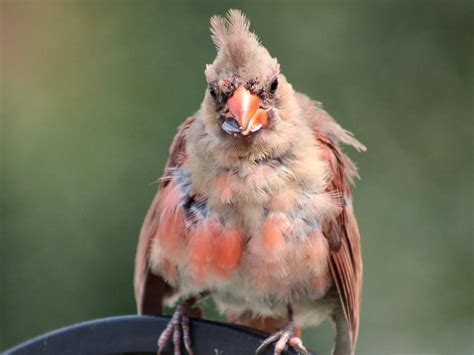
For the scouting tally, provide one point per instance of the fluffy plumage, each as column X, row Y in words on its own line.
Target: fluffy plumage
column 264, row 221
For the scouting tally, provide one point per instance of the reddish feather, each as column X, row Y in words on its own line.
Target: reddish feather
column 149, row 288
column 275, row 228
column 343, row 237
column 201, row 246
column 228, row 250
column 317, row 250
column 168, row 269
column 171, row 228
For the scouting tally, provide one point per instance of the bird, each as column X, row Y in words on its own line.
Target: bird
column 254, row 208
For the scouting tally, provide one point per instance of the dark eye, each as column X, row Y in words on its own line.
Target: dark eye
column 213, row 93
column 274, row 86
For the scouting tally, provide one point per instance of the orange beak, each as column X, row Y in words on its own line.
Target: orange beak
column 244, row 108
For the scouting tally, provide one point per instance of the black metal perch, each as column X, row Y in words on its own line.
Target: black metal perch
column 138, row 335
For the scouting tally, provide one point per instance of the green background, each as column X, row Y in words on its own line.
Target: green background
column 92, row 92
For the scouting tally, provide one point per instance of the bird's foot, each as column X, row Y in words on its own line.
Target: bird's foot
column 177, row 324
column 284, row 336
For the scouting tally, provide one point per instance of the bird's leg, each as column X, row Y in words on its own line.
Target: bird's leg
column 178, row 323
column 286, row 335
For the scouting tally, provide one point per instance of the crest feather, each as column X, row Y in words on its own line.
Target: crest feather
column 237, row 21
column 219, row 31
column 239, row 51
column 234, row 25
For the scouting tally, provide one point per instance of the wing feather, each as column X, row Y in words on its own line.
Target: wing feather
column 343, row 232
column 149, row 288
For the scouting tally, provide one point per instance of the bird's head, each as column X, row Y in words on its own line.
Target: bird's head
column 246, row 93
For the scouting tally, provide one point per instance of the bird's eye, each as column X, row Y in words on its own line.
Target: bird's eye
column 274, row 86
column 213, row 93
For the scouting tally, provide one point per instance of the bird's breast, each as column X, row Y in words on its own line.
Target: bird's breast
column 255, row 234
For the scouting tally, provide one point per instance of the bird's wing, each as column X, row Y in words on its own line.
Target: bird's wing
column 343, row 232
column 150, row 288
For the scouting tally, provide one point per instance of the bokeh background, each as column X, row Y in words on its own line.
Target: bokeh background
column 92, row 92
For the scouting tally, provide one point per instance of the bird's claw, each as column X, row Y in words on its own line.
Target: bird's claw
column 179, row 322
column 283, row 337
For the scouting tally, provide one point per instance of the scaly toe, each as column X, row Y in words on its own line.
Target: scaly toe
column 268, row 341
column 297, row 344
column 186, row 335
column 282, row 338
column 178, row 324
column 281, row 343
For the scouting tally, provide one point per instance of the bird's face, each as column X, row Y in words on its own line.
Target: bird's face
column 244, row 106
column 246, row 94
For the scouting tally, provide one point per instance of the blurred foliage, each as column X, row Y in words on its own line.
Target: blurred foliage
column 92, row 92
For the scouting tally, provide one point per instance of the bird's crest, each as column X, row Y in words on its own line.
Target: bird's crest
column 235, row 27
column 236, row 45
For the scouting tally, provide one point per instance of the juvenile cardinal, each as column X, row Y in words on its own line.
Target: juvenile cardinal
column 254, row 208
